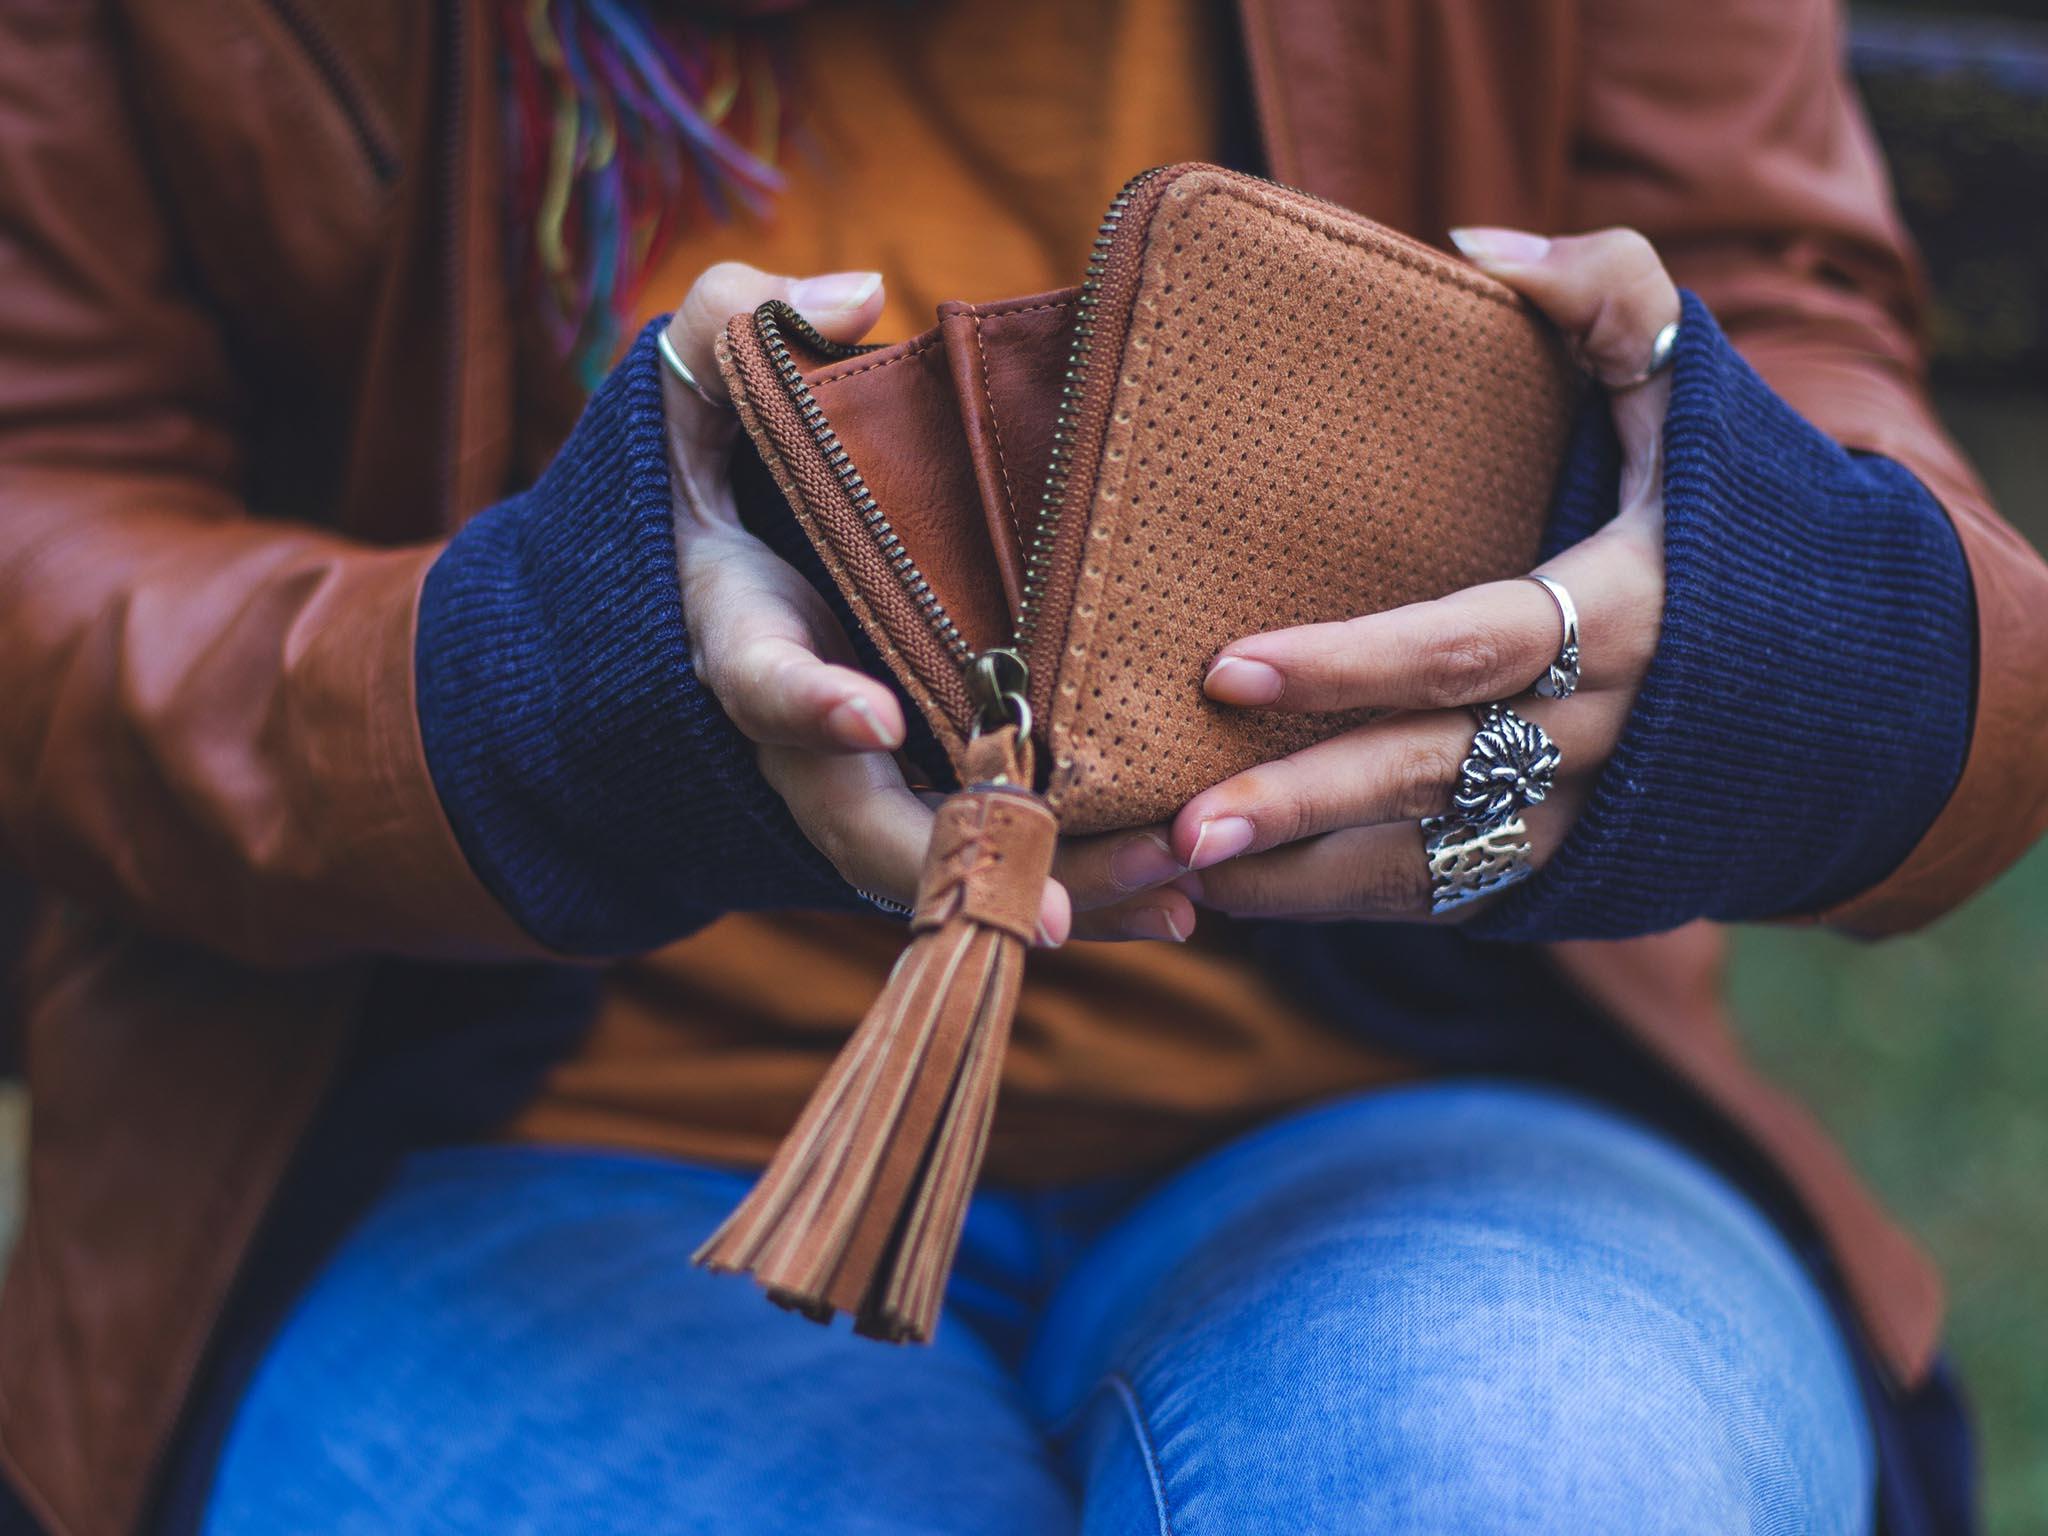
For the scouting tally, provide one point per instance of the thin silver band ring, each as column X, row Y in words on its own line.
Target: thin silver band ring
column 681, row 369
column 1663, row 347
column 1562, row 680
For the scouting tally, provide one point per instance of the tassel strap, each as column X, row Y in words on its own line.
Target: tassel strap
column 860, row 1211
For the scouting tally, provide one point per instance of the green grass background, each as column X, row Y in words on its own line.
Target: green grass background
column 1928, row 1057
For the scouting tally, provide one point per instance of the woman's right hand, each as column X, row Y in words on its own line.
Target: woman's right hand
column 772, row 652
column 762, row 640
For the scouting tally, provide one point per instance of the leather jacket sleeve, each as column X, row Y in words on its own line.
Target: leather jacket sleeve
column 196, row 707
column 1751, row 166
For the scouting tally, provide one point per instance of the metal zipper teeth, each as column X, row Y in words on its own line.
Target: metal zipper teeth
column 771, row 320
column 1052, row 500
column 774, row 318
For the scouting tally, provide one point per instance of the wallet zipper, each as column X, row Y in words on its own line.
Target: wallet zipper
column 1051, row 564
column 1000, row 678
column 997, row 679
column 772, row 320
column 1073, row 390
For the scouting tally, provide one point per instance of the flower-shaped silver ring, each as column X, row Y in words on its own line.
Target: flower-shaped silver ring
column 1562, row 680
column 1511, row 766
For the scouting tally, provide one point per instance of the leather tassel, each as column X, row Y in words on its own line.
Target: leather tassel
column 861, row 1208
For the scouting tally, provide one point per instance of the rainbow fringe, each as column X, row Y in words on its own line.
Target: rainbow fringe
column 618, row 128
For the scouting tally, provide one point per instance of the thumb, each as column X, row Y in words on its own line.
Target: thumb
column 1609, row 294
column 842, row 305
column 1608, row 291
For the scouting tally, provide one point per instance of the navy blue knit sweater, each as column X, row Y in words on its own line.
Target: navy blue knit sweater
column 1803, row 722
column 592, row 779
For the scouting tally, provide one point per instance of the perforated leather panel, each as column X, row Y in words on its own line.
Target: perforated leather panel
column 1314, row 418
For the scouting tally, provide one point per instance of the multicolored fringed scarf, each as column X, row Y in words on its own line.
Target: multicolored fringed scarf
column 621, row 123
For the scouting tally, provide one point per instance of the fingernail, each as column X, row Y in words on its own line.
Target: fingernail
column 1492, row 247
column 855, row 722
column 833, row 292
column 1240, row 680
column 1142, row 861
column 1043, row 937
column 1223, row 838
column 1154, row 923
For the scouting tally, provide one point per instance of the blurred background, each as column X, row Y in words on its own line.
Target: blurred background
column 1928, row 1056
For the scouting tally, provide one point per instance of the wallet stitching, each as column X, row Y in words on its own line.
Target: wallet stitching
column 995, row 313
column 917, row 348
column 995, row 432
column 932, row 338
column 1430, row 264
column 1003, row 311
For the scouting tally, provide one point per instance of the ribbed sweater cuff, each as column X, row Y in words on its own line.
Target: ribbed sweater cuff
column 1809, row 705
column 594, row 782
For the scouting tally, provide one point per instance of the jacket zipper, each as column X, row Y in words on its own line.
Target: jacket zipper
column 348, row 94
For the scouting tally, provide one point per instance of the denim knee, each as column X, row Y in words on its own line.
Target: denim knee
column 1478, row 1307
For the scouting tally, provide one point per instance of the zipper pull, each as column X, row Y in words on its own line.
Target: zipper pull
column 999, row 681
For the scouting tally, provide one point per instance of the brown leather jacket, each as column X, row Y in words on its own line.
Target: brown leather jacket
column 253, row 368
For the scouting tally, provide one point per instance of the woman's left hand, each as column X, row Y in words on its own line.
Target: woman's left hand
column 1331, row 832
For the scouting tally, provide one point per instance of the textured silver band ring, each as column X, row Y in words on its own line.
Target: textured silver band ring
column 1510, row 767
column 674, row 360
column 1466, row 864
column 1663, row 347
column 1562, row 680
column 887, row 905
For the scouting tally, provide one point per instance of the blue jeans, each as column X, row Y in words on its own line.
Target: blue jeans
column 1445, row 1308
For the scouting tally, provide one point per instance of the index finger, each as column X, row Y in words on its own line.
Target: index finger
column 1485, row 642
column 842, row 305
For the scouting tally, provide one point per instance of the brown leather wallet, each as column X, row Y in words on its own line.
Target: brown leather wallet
column 1258, row 410
column 1049, row 514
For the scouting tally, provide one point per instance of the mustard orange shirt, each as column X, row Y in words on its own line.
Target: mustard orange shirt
column 966, row 150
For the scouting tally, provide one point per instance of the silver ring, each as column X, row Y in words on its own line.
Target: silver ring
column 681, row 369
column 1466, row 863
column 1663, row 347
column 1510, row 767
column 1562, row 680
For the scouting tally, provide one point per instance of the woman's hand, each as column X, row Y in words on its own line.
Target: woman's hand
column 763, row 641
column 1331, row 832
